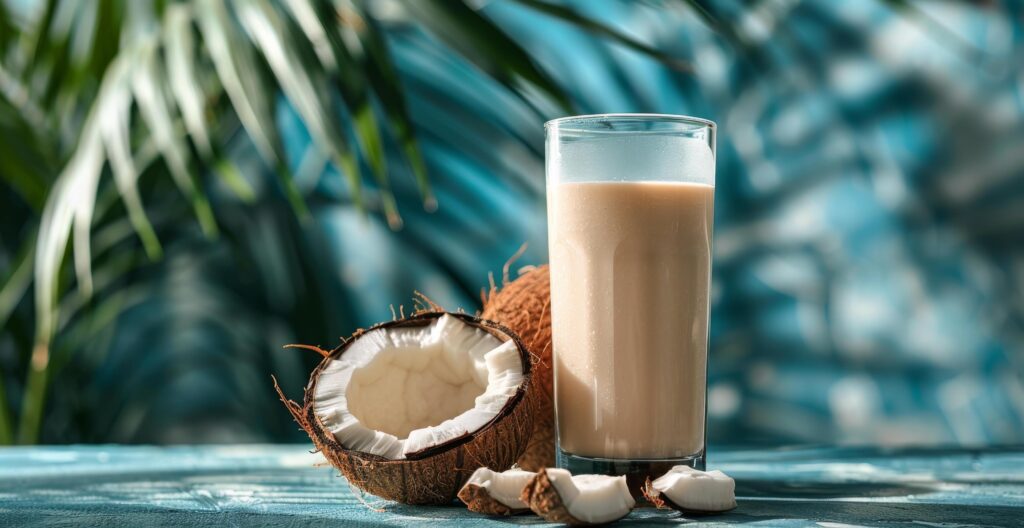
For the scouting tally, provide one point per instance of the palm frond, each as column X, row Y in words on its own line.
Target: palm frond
column 115, row 130
column 147, row 83
column 722, row 25
column 244, row 84
column 598, row 28
column 16, row 282
column 180, row 50
column 350, row 79
column 232, row 177
column 480, row 40
column 383, row 79
column 25, row 164
column 235, row 66
column 302, row 83
column 69, row 208
column 156, row 92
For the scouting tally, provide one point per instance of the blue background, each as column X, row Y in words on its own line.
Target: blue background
column 869, row 255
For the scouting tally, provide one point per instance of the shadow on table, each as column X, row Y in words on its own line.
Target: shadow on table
column 855, row 503
column 198, row 497
column 873, row 513
column 130, row 517
column 748, row 511
column 862, row 503
column 766, row 488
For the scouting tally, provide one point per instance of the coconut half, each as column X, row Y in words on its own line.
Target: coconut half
column 496, row 492
column 408, row 409
column 558, row 496
column 692, row 490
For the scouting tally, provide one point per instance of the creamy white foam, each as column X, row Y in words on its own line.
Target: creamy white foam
column 620, row 157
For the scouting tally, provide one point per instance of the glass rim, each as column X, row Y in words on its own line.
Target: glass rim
column 560, row 122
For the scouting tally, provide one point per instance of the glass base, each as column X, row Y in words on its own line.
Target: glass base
column 636, row 471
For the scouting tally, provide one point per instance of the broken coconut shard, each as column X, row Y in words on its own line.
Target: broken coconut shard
column 408, row 409
column 690, row 490
column 496, row 493
column 558, row 496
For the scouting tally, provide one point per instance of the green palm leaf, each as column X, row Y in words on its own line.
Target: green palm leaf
column 235, row 67
column 478, row 39
column 179, row 47
column 115, row 118
column 339, row 62
column 142, row 91
column 612, row 34
column 383, row 79
column 301, row 83
column 242, row 81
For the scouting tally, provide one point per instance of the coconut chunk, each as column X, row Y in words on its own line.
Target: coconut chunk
column 558, row 496
column 686, row 489
column 496, row 493
column 399, row 392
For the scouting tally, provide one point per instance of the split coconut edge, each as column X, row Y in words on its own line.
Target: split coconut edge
column 524, row 306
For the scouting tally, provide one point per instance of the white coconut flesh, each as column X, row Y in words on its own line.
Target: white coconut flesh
column 693, row 489
column 505, row 487
column 593, row 499
column 397, row 391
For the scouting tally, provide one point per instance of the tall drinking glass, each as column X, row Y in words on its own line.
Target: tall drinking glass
column 630, row 209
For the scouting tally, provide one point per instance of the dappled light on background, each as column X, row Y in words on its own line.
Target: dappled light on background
column 868, row 261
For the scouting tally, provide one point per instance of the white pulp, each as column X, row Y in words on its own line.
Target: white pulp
column 594, row 499
column 505, row 487
column 401, row 390
column 697, row 490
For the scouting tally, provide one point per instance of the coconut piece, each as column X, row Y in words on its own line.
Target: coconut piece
column 407, row 409
column 558, row 496
column 524, row 305
column 496, row 492
column 398, row 392
column 692, row 490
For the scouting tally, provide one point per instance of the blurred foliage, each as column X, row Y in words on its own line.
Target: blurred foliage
column 102, row 102
column 189, row 185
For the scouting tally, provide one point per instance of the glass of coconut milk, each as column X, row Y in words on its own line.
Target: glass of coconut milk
column 630, row 207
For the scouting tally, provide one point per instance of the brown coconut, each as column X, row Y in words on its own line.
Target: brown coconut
column 543, row 496
column 477, row 500
column 435, row 475
column 704, row 493
column 496, row 493
column 524, row 306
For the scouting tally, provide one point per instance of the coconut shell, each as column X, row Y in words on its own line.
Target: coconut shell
column 478, row 500
column 524, row 306
column 544, row 500
column 435, row 475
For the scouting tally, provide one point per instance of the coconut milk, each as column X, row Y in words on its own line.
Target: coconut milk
column 630, row 276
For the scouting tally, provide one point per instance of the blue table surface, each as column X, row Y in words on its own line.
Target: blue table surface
column 285, row 485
